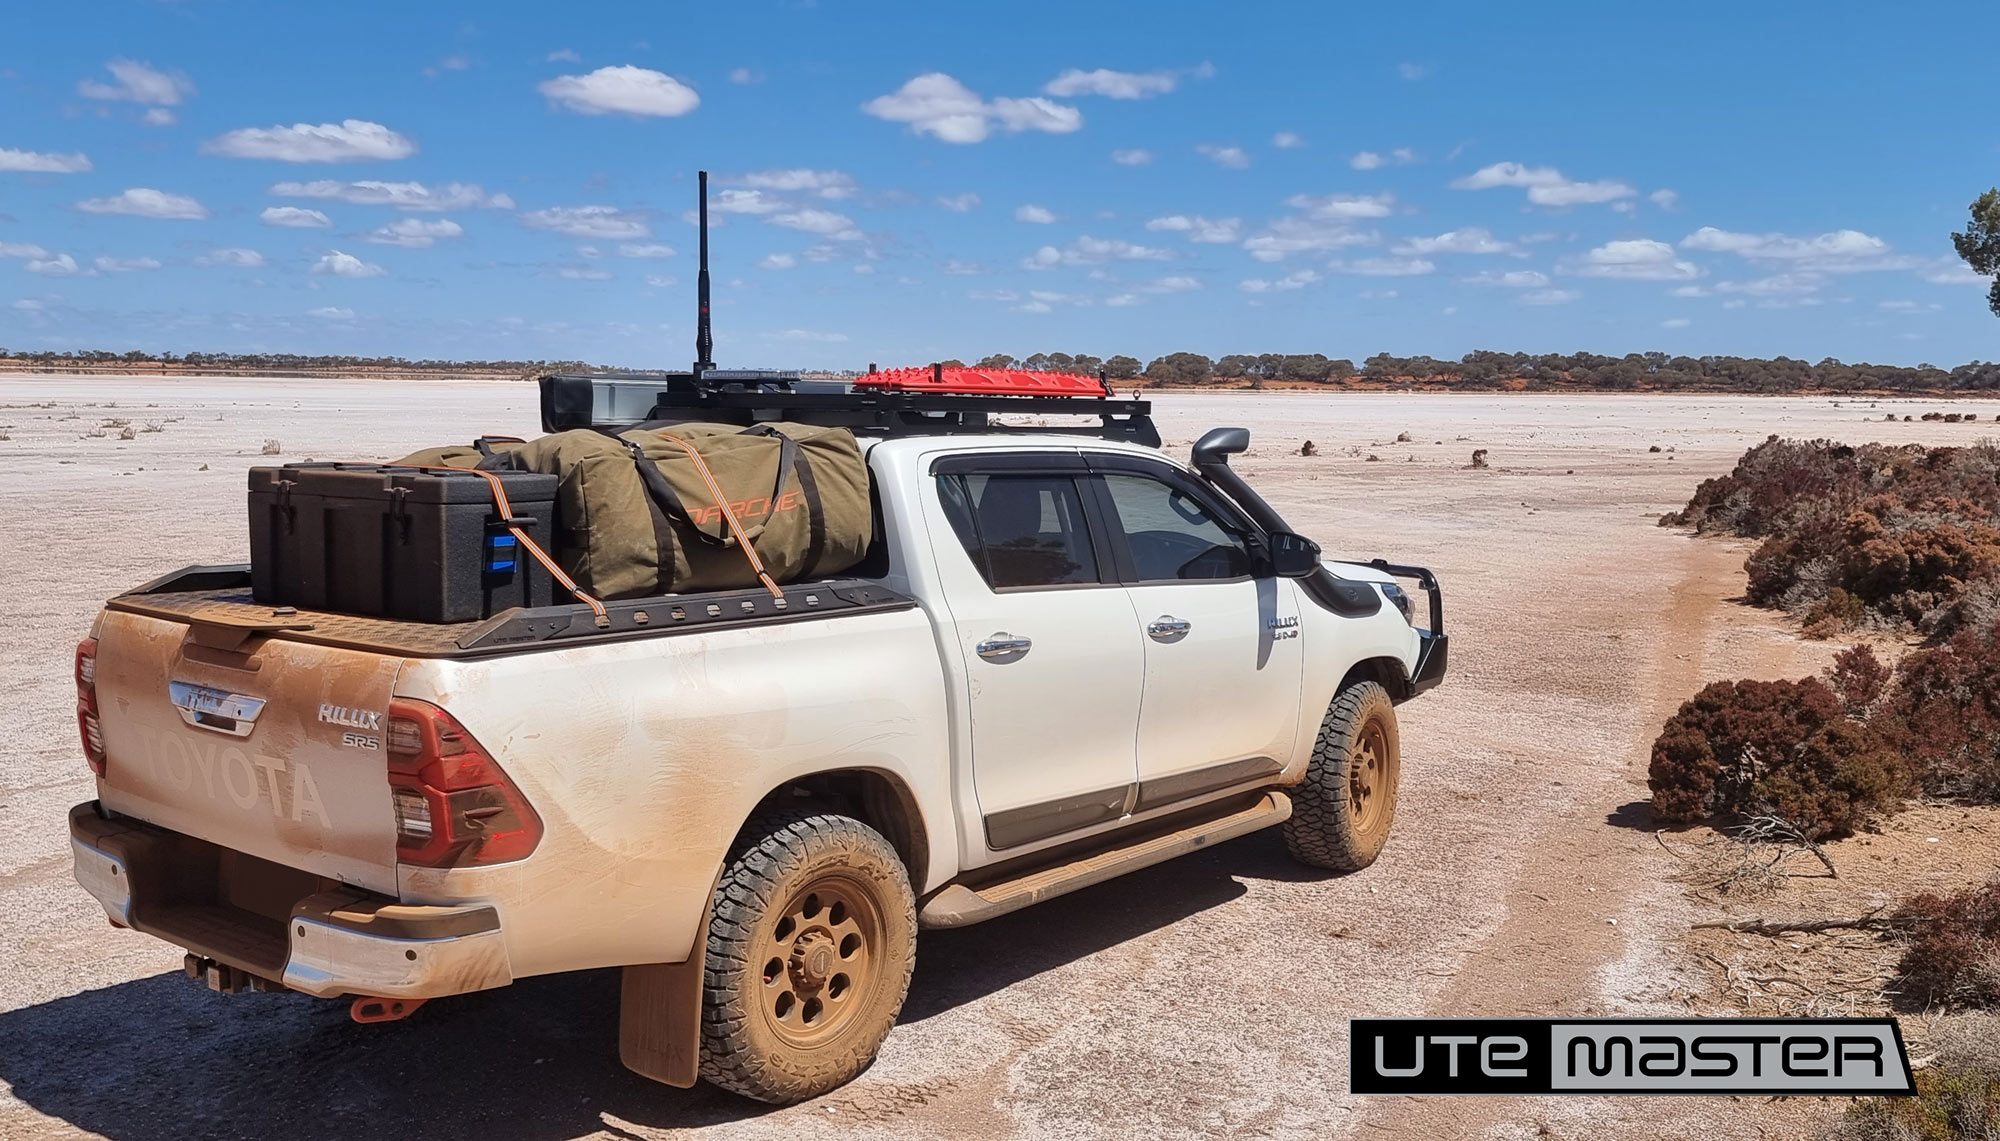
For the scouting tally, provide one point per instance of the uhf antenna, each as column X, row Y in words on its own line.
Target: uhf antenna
column 704, row 339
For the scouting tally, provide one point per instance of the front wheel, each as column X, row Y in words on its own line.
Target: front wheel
column 1342, row 811
column 810, row 951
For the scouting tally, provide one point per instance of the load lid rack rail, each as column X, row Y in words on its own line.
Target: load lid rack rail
column 898, row 402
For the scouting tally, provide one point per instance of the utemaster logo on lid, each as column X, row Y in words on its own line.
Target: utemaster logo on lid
column 1627, row 1056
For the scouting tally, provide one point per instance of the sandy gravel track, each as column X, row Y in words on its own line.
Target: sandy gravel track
column 1202, row 998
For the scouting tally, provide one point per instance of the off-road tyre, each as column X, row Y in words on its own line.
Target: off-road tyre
column 810, row 949
column 1342, row 811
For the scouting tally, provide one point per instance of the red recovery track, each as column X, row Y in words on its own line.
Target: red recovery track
column 963, row 381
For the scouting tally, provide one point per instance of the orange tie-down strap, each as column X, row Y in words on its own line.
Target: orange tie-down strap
column 603, row 619
column 728, row 514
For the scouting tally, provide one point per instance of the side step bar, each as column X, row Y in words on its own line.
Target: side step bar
column 958, row 905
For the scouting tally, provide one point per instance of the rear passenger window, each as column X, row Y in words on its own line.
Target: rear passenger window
column 1021, row 530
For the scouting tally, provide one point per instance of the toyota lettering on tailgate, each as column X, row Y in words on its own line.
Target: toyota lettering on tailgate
column 222, row 769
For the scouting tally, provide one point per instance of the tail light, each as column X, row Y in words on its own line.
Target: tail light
column 86, row 705
column 455, row 808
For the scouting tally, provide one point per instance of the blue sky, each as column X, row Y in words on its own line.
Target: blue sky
column 905, row 182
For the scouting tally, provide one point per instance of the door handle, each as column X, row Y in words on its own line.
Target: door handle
column 1003, row 645
column 1166, row 628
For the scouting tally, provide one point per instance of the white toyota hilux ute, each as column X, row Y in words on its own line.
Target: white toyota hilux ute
column 1065, row 658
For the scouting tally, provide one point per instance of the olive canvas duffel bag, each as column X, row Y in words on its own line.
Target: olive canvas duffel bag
column 640, row 513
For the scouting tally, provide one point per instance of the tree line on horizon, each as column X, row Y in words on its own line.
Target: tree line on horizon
column 1477, row 370
column 1486, row 369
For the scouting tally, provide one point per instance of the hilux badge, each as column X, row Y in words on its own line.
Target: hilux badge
column 351, row 718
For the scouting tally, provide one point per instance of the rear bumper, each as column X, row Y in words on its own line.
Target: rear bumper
column 310, row 934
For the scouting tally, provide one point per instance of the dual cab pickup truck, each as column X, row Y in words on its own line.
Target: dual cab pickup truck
column 1065, row 658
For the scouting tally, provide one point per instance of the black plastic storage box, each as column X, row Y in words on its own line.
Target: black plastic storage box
column 424, row 545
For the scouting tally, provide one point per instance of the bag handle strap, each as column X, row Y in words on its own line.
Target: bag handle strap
column 728, row 513
column 793, row 458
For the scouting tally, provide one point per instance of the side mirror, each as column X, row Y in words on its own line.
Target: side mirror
column 1292, row 554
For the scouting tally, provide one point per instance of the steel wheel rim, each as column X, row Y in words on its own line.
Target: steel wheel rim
column 818, row 960
column 1370, row 773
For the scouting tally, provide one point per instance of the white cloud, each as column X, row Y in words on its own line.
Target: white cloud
column 607, row 223
column 1231, row 157
column 623, row 89
column 1121, row 300
column 745, row 202
column 992, row 295
column 22, row 250
column 1777, row 285
column 659, row 281
column 644, row 250
column 577, row 273
column 1689, row 291
column 144, row 202
column 963, row 268
column 1179, row 283
column 138, row 83
column 862, row 268
column 402, row 195
column 1087, row 250
column 563, row 55
column 1470, row 240
column 824, row 183
column 1838, row 251
column 351, row 140
column 1545, row 185
column 331, row 313
column 1286, row 140
column 1037, row 215
column 1326, row 223
column 233, row 257
column 296, row 217
column 1033, row 307
column 1371, row 160
column 1908, row 306
column 1386, row 267
column 778, row 261
column 935, row 104
column 745, row 75
column 960, row 203
column 1137, row 156
column 1635, row 259
column 1199, row 229
column 1951, row 271
column 1340, row 207
column 158, row 117
column 1550, row 297
column 1675, row 323
column 1664, row 199
column 416, row 233
column 825, row 223
column 806, row 335
column 124, row 265
column 61, row 265
column 339, row 264
column 1412, row 71
column 1111, row 84
column 1296, row 280
column 1512, row 279
column 36, row 162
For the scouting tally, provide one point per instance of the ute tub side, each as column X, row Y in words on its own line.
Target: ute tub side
column 644, row 759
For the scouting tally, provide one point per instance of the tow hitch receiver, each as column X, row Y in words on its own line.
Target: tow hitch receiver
column 223, row 978
column 367, row 1009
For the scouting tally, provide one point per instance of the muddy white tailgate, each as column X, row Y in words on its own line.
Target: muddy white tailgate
column 274, row 748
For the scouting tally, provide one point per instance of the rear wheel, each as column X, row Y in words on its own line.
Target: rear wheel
column 809, row 956
column 1342, row 812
